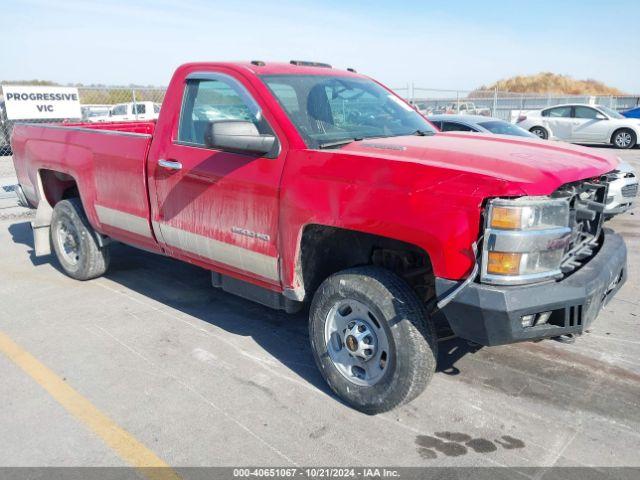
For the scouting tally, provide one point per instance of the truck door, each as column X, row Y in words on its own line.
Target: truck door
column 217, row 208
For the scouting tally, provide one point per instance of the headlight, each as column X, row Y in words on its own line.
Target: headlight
column 525, row 240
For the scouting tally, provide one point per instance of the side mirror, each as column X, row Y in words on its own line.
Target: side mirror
column 239, row 136
column 600, row 116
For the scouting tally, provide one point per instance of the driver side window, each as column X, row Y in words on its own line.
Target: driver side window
column 215, row 99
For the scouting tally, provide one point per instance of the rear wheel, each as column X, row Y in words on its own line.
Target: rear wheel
column 372, row 339
column 624, row 138
column 540, row 132
column 74, row 243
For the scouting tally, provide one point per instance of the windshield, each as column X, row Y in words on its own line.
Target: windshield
column 327, row 109
column 610, row 112
column 500, row 127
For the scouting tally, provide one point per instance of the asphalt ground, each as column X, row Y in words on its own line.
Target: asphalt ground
column 149, row 365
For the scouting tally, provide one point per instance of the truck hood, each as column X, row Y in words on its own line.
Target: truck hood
column 538, row 166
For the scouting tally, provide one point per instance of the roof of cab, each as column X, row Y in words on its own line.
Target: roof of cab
column 275, row 68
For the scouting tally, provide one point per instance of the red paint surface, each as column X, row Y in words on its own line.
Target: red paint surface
column 429, row 194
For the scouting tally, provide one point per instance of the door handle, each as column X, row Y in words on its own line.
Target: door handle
column 169, row 164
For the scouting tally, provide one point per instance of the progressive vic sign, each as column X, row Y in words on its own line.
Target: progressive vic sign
column 32, row 102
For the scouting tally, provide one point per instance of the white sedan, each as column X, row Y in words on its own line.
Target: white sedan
column 581, row 123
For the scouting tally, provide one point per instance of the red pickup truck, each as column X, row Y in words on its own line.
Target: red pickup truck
column 301, row 184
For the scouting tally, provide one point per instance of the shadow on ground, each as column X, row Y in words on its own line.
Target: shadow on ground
column 21, row 234
column 542, row 372
column 283, row 335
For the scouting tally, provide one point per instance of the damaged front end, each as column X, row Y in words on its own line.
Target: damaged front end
column 547, row 268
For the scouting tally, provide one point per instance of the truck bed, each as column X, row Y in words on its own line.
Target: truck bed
column 106, row 161
column 142, row 127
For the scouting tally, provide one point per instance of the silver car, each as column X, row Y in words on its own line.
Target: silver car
column 582, row 123
column 623, row 189
column 477, row 123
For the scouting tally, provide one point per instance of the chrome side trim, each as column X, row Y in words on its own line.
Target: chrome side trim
column 296, row 294
column 124, row 221
column 232, row 255
column 157, row 231
column 82, row 129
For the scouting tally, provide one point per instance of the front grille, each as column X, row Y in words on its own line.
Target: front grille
column 587, row 204
column 630, row 190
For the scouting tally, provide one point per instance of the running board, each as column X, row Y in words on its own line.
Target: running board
column 257, row 294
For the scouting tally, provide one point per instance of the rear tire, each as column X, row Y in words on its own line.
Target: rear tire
column 624, row 138
column 540, row 132
column 74, row 242
column 396, row 357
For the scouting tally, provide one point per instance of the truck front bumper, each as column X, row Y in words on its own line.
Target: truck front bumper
column 492, row 315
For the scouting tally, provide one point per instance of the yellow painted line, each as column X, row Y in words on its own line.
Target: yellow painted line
column 118, row 439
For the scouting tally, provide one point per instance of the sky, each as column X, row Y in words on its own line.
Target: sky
column 455, row 44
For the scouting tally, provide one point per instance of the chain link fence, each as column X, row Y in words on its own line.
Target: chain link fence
column 101, row 104
column 98, row 104
column 503, row 105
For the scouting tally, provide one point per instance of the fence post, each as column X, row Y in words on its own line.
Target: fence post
column 457, row 102
column 135, row 103
column 495, row 101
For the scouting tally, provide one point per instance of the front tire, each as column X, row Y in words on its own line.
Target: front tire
column 74, row 243
column 624, row 138
column 372, row 339
column 540, row 132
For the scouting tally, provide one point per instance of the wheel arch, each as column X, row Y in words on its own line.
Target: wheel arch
column 542, row 127
column 324, row 250
column 52, row 186
column 623, row 127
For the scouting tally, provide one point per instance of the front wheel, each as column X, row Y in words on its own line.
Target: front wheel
column 624, row 138
column 74, row 243
column 372, row 339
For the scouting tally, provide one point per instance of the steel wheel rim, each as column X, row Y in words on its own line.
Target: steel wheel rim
column 623, row 139
column 351, row 329
column 68, row 242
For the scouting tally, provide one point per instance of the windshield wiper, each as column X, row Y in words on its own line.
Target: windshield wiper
column 423, row 133
column 339, row 143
